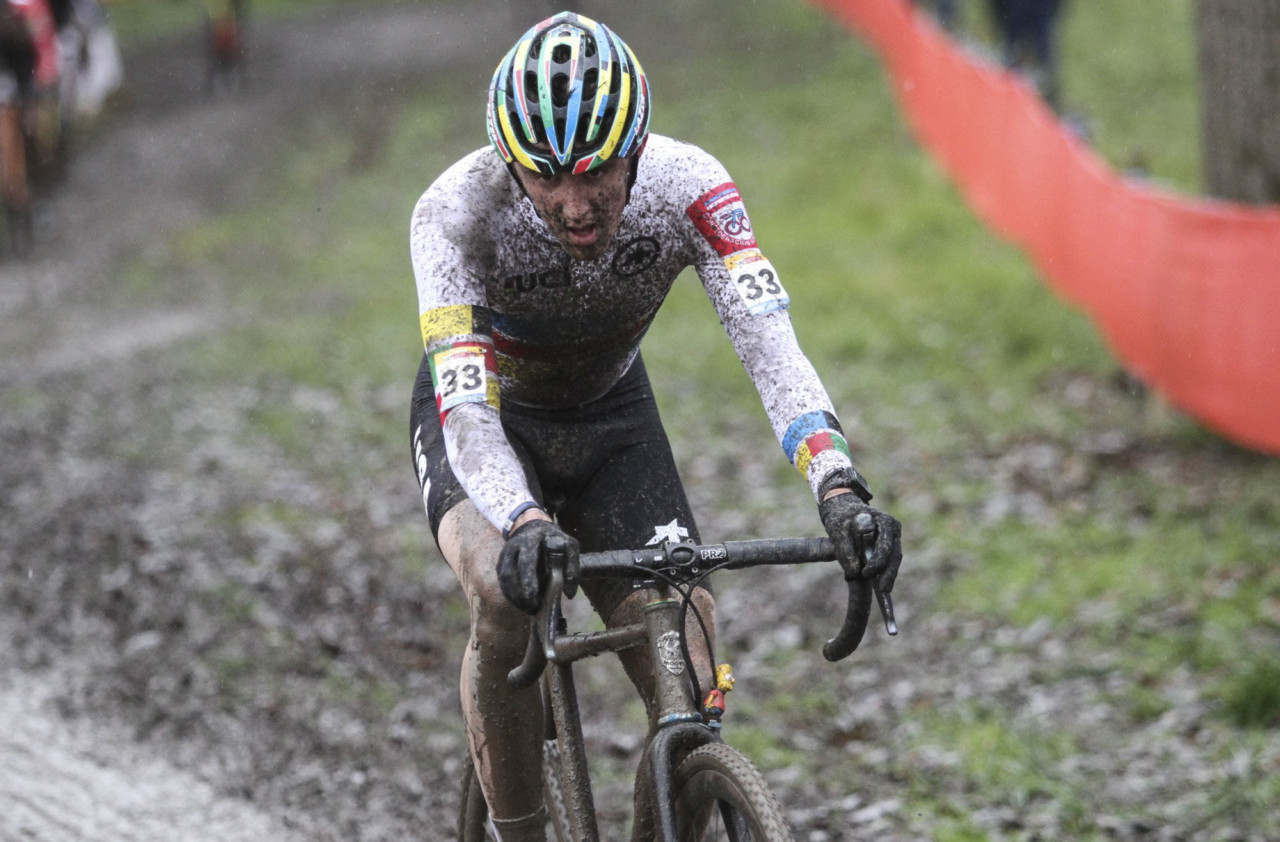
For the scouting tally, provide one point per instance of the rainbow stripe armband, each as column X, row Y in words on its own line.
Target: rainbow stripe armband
column 815, row 444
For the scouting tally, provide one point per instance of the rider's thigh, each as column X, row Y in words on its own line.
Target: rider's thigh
column 470, row 545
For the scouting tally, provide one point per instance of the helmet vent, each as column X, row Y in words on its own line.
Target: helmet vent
column 560, row 90
column 590, row 80
column 561, row 53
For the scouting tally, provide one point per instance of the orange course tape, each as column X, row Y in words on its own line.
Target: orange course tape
column 1186, row 291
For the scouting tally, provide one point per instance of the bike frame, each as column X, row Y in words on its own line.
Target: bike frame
column 676, row 724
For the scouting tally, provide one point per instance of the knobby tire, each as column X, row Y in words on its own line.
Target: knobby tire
column 720, row 795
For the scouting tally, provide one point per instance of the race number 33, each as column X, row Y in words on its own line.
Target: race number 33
column 757, row 282
column 459, row 375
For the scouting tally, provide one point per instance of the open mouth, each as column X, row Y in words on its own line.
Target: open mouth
column 581, row 235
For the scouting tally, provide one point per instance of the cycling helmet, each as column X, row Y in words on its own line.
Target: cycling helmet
column 568, row 97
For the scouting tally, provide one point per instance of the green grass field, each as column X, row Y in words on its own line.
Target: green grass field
column 988, row 414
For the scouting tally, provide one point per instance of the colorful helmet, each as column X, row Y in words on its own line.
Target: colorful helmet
column 568, row 97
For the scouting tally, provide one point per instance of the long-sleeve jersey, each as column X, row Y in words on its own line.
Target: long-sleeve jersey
column 507, row 315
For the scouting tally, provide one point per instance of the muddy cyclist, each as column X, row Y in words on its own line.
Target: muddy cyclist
column 541, row 260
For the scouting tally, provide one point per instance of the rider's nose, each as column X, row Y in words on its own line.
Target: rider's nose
column 574, row 198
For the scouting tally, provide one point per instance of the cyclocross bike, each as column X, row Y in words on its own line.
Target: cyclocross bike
column 691, row 786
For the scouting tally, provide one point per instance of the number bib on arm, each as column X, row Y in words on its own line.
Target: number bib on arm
column 756, row 281
column 464, row 373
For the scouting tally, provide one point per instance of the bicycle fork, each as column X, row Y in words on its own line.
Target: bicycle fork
column 677, row 724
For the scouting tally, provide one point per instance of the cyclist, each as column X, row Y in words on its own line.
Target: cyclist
column 28, row 82
column 225, row 21
column 17, row 64
column 540, row 262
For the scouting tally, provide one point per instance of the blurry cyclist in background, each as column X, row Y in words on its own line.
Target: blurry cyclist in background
column 29, row 124
column 225, row 19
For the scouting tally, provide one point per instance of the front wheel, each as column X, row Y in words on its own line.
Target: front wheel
column 720, row 795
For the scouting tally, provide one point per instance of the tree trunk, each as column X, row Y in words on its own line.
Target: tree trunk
column 1239, row 56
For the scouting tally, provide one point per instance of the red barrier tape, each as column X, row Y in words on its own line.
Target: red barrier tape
column 1186, row 292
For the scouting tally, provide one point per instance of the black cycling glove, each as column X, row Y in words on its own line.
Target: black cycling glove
column 523, row 563
column 868, row 542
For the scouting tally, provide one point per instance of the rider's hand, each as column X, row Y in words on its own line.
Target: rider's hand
column 868, row 542
column 523, row 565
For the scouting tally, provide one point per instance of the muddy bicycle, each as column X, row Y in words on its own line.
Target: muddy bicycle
column 690, row 785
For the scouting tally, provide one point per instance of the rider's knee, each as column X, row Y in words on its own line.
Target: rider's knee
column 497, row 626
column 471, row 545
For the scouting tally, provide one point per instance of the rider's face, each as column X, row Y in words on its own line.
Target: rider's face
column 583, row 211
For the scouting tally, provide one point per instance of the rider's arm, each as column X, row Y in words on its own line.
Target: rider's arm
column 449, row 249
column 752, row 304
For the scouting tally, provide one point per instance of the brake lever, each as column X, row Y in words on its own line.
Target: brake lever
column 866, row 527
column 885, row 601
column 549, row 614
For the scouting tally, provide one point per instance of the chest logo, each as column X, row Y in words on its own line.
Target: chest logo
column 546, row 279
column 636, row 256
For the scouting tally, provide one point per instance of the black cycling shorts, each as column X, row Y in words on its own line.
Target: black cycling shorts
column 603, row 470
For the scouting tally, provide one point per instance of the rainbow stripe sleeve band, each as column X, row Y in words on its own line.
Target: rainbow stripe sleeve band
column 811, row 434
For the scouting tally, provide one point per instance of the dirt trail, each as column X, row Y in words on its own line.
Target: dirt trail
column 176, row 154
column 72, row 780
column 172, row 155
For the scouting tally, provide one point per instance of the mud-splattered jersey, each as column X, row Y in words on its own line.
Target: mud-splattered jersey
column 506, row 315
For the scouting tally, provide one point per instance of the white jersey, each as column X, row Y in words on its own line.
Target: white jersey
column 507, row 315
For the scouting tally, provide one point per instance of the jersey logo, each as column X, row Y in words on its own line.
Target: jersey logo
column 420, row 463
column 668, row 533
column 722, row 218
column 636, row 256
column 546, row 279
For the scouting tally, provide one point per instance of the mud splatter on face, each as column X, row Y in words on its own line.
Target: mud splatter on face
column 582, row 211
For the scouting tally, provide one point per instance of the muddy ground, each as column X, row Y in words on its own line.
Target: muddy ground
column 172, row 668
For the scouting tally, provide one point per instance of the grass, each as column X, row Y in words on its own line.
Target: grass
column 140, row 21
column 980, row 405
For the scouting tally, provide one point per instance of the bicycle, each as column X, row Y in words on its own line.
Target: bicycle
column 690, row 785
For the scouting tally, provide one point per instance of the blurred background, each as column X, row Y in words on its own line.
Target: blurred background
column 211, row 539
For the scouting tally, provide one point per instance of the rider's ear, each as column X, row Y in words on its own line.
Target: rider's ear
column 635, row 168
column 511, row 168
